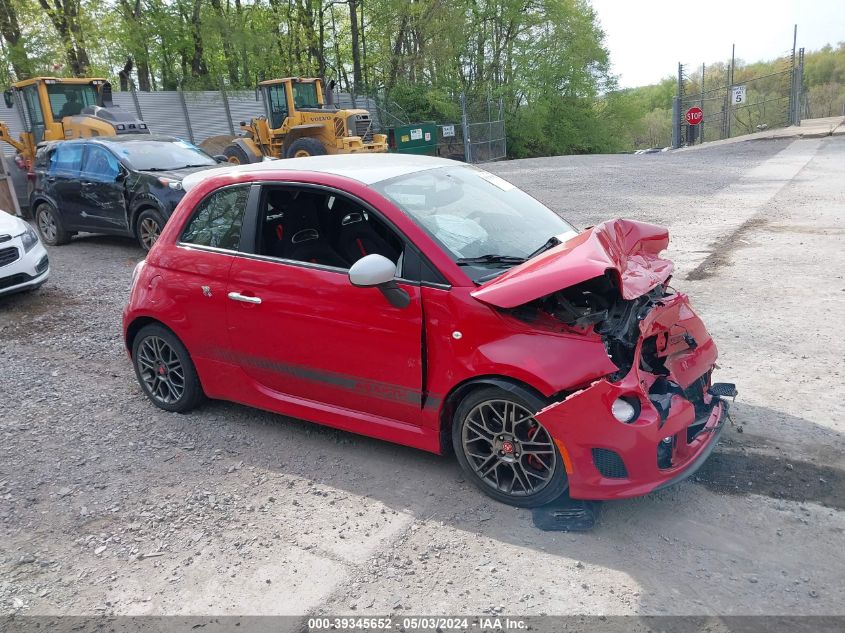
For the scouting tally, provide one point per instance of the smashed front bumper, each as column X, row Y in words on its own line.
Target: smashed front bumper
column 675, row 428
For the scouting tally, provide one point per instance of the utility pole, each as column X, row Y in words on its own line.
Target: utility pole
column 730, row 110
column 793, row 106
column 677, row 106
column 701, row 105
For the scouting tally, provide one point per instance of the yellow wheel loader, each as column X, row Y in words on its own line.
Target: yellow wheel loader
column 56, row 109
column 299, row 122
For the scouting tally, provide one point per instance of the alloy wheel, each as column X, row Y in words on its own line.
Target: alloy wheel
column 148, row 231
column 161, row 370
column 507, row 448
column 47, row 225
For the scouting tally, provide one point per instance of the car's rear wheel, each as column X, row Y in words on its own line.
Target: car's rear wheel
column 50, row 225
column 504, row 450
column 165, row 369
column 148, row 228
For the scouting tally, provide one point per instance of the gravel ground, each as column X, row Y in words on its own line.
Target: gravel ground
column 111, row 506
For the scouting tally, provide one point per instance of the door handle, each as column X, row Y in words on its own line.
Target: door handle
column 236, row 296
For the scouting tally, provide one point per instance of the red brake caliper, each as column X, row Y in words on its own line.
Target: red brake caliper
column 532, row 459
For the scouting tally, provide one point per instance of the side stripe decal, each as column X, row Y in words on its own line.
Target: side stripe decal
column 360, row 386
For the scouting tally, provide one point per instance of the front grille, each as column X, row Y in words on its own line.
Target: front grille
column 5, row 238
column 14, row 280
column 42, row 265
column 364, row 129
column 609, row 463
column 9, row 255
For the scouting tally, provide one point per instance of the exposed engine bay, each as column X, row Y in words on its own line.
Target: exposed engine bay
column 598, row 303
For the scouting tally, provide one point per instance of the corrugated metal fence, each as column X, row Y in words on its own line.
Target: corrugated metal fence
column 193, row 116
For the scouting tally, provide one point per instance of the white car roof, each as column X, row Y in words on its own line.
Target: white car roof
column 365, row 168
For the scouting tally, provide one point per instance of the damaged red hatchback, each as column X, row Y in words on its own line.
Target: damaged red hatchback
column 433, row 304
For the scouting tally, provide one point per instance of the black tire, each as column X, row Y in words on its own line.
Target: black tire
column 148, row 226
column 505, row 454
column 236, row 155
column 49, row 225
column 164, row 370
column 305, row 147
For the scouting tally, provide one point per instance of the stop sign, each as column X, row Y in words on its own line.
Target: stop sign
column 694, row 115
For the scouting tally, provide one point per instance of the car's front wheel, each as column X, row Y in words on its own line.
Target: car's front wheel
column 236, row 155
column 50, row 225
column 303, row 147
column 165, row 369
column 148, row 228
column 504, row 450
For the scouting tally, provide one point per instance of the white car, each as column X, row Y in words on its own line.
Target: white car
column 23, row 259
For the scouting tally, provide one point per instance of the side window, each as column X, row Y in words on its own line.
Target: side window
column 317, row 227
column 99, row 164
column 66, row 160
column 44, row 159
column 218, row 219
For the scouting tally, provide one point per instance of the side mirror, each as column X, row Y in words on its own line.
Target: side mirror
column 221, row 158
column 379, row 272
column 7, row 97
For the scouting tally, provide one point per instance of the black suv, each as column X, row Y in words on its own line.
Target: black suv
column 122, row 185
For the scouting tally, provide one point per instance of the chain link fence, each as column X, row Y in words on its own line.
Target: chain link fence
column 472, row 130
column 740, row 104
column 483, row 129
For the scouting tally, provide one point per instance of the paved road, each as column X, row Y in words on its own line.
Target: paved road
column 248, row 512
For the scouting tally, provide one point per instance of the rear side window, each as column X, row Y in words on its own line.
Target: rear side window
column 218, row 219
column 66, row 160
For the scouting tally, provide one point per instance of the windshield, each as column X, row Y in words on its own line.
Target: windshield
column 305, row 95
column 68, row 100
column 473, row 214
column 161, row 155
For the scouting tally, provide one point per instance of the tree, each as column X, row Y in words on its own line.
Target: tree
column 65, row 16
column 136, row 36
column 11, row 31
column 228, row 53
column 356, row 47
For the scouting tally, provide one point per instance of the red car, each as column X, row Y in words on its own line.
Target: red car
column 430, row 303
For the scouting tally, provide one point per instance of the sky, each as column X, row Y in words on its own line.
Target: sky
column 647, row 38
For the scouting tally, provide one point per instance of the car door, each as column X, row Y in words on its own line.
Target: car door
column 195, row 273
column 102, row 198
column 36, row 115
column 64, row 185
column 301, row 329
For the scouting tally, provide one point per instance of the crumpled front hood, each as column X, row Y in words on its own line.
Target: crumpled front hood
column 627, row 247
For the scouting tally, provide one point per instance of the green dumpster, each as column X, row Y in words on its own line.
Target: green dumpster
column 417, row 138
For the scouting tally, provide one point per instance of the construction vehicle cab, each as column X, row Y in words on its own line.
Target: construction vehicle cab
column 298, row 121
column 55, row 109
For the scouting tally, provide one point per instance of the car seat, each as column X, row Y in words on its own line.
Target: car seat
column 355, row 237
column 293, row 231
